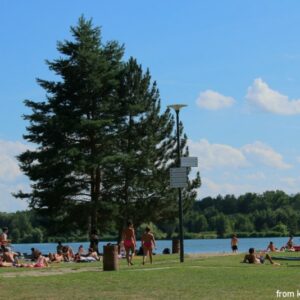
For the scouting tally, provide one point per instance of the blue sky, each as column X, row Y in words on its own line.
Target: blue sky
column 236, row 64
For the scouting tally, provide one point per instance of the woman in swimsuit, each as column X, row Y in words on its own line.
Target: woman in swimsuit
column 129, row 241
column 148, row 243
column 41, row 262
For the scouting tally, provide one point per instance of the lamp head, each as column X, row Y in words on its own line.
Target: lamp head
column 177, row 107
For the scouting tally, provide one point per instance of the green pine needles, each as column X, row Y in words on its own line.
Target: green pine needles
column 103, row 146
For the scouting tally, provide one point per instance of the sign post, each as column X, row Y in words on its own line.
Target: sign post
column 179, row 179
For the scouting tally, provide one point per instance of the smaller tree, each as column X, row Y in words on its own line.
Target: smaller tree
column 223, row 225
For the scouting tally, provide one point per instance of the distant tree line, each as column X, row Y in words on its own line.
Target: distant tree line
column 273, row 213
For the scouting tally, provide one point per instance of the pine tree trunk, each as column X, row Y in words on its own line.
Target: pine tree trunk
column 95, row 197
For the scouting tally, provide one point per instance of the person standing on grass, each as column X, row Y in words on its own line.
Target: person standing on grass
column 94, row 240
column 290, row 243
column 129, row 242
column 234, row 243
column 59, row 247
column 3, row 237
column 148, row 243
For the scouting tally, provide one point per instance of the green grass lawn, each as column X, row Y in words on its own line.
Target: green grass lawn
column 199, row 277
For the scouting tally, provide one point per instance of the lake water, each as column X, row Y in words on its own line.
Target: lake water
column 190, row 246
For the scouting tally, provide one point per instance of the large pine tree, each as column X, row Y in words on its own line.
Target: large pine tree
column 103, row 147
column 138, row 180
column 73, row 128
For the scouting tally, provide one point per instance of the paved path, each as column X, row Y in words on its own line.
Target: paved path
column 48, row 272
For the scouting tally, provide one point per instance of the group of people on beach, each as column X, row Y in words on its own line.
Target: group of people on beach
column 127, row 245
column 9, row 258
column 271, row 247
column 260, row 257
column 290, row 247
column 64, row 253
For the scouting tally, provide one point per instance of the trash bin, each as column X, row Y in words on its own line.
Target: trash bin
column 110, row 258
column 175, row 246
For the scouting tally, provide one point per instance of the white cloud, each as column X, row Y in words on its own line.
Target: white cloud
column 216, row 155
column 11, row 177
column 291, row 182
column 265, row 154
column 256, row 176
column 263, row 97
column 250, row 168
column 213, row 100
column 212, row 188
column 9, row 169
column 212, row 156
column 10, row 203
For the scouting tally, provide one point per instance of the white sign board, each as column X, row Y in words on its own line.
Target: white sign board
column 178, row 177
column 189, row 161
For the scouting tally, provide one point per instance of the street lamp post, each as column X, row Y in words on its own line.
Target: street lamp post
column 177, row 108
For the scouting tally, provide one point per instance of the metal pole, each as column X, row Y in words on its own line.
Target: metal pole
column 179, row 193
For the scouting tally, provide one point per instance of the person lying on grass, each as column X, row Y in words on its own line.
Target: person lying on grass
column 289, row 246
column 67, row 253
column 257, row 258
column 9, row 256
column 41, row 262
column 56, row 257
column 90, row 256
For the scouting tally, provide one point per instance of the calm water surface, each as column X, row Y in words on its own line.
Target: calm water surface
column 190, row 246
